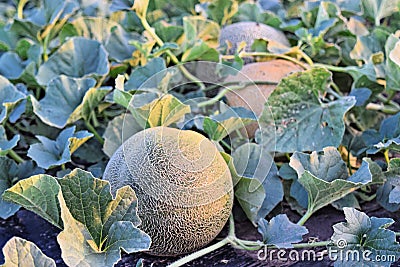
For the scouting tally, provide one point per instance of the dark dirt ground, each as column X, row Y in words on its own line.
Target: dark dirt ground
column 28, row 225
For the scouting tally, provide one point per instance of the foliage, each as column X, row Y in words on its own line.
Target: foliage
column 72, row 70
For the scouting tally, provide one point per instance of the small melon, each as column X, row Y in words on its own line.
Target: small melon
column 183, row 184
column 248, row 31
column 253, row 97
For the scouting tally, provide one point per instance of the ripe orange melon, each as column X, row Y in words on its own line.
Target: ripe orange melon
column 253, row 97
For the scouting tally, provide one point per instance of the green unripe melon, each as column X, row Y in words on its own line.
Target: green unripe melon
column 183, row 185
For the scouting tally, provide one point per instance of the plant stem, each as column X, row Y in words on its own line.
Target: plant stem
column 305, row 57
column 265, row 54
column 220, row 95
column 243, row 84
column 20, row 8
column 386, row 154
column 15, row 156
column 171, row 55
column 200, row 253
column 305, row 217
column 45, row 44
column 94, row 132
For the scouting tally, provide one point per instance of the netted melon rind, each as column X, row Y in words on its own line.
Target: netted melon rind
column 182, row 209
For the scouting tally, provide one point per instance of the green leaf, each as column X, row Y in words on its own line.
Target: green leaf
column 200, row 51
column 362, row 233
column 297, row 117
column 78, row 57
column 326, row 166
column 46, row 14
column 322, row 193
column 5, row 144
column 198, row 30
column 222, row 10
column 149, row 110
column 379, row 9
column 388, row 136
column 38, row 194
column 63, row 96
column 259, row 189
column 119, row 130
column 392, row 50
column 96, row 209
column 11, row 65
column 91, row 101
column 8, row 169
column 109, row 33
column 9, row 97
column 48, row 153
column 141, row 75
column 96, row 226
column 217, row 127
column 20, row 252
column 281, row 232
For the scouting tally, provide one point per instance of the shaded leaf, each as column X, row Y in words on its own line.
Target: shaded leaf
column 380, row 9
column 5, row 144
column 48, row 153
column 119, row 130
column 142, row 74
column 281, row 232
column 63, row 96
column 78, row 57
column 259, row 189
column 9, row 97
column 20, row 252
column 109, row 33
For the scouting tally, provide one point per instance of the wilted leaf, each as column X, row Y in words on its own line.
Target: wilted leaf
column 217, row 127
column 361, row 233
column 48, row 153
column 281, row 232
column 20, row 252
column 63, row 96
column 78, row 57
column 300, row 120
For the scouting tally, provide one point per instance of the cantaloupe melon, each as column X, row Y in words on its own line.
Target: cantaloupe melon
column 251, row 97
column 183, row 185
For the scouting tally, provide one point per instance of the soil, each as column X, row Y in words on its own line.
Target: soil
column 30, row 226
